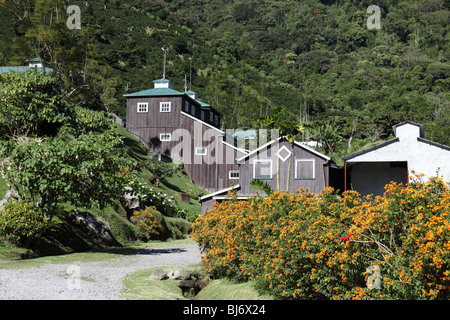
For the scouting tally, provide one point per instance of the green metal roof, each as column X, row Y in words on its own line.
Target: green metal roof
column 22, row 69
column 160, row 92
column 155, row 92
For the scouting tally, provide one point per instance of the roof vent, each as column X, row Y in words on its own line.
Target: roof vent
column 162, row 83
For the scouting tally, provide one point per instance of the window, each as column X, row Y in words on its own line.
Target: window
column 216, row 120
column 262, row 169
column 233, row 174
column 142, row 107
column 202, row 115
column 200, row 151
column 165, row 137
column 186, row 106
column 193, row 110
column 211, row 116
column 305, row 169
column 164, row 106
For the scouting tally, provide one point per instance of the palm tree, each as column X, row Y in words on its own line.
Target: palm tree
column 328, row 136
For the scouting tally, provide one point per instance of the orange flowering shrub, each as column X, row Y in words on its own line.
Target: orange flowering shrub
column 148, row 223
column 307, row 246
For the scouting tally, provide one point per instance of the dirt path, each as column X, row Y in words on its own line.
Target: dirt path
column 98, row 280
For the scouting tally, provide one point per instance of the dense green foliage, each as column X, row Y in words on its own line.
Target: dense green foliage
column 316, row 58
column 76, row 160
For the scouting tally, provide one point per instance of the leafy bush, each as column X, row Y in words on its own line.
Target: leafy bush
column 148, row 223
column 22, row 222
column 31, row 103
column 325, row 246
column 161, row 201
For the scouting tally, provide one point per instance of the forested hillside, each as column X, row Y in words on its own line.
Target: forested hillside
column 317, row 59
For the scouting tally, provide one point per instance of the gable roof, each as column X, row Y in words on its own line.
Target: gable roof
column 420, row 138
column 378, row 146
column 266, row 145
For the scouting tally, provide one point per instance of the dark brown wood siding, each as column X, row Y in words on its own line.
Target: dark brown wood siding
column 148, row 126
column 188, row 131
column 283, row 172
column 210, row 171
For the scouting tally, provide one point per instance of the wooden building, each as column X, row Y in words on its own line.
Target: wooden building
column 176, row 124
column 281, row 164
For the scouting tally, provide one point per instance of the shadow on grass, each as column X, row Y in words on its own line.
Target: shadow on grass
column 141, row 251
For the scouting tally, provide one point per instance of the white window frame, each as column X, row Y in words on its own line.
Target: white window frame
column 230, row 174
column 256, row 161
column 140, row 104
column 313, row 168
column 197, row 153
column 168, row 135
column 165, row 107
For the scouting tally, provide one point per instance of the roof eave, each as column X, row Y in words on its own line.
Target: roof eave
column 381, row 145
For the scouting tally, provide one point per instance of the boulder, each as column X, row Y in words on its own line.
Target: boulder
column 130, row 201
column 96, row 227
column 185, row 284
column 159, row 274
column 182, row 274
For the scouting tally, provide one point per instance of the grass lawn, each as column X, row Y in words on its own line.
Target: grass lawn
column 224, row 289
column 139, row 286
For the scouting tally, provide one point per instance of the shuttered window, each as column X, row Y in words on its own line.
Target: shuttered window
column 305, row 169
column 262, row 169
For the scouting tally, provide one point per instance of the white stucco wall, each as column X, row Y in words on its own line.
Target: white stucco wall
column 422, row 157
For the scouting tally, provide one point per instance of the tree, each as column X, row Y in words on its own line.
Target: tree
column 328, row 136
column 30, row 102
column 85, row 171
column 161, row 170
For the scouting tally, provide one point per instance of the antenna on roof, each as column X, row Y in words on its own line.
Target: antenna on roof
column 185, row 83
column 165, row 52
column 190, row 74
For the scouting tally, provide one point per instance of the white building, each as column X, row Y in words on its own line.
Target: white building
column 368, row 171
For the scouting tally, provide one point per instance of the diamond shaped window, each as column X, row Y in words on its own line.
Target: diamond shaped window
column 284, row 153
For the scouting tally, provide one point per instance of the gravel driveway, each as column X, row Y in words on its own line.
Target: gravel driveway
column 99, row 280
